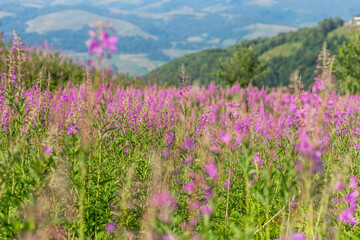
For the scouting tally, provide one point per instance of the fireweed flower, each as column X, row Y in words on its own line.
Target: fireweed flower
column 256, row 159
column 194, row 205
column 169, row 237
column 225, row 138
column 215, row 149
column 110, row 227
column 308, row 151
column 189, row 144
column 227, row 183
column 353, row 182
column 347, row 215
column 101, row 42
column 298, row 236
column 351, row 198
column 207, row 191
column 164, row 199
column 73, row 129
column 109, row 41
column 211, row 170
column 13, row 76
column 207, row 209
column 339, row 186
column 166, row 153
column 47, row 149
column 189, row 187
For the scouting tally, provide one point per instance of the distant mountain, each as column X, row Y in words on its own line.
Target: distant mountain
column 153, row 32
column 285, row 54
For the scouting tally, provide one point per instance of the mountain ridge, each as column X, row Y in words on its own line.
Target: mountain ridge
column 176, row 27
column 285, row 53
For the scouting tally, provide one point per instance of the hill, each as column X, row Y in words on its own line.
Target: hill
column 154, row 32
column 285, row 53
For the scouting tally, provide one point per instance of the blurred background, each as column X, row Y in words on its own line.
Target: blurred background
column 154, row 32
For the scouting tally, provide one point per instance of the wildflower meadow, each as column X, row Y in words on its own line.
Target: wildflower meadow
column 105, row 157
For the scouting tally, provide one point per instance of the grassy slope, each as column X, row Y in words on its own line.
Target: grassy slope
column 285, row 53
column 284, row 50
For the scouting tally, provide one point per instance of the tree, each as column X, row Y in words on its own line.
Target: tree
column 242, row 68
column 347, row 66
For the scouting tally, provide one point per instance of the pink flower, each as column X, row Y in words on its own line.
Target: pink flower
column 92, row 33
column 225, row 138
column 347, row 217
column 195, row 205
column 189, row 144
column 109, row 41
column 335, row 201
column 47, row 149
column 193, row 222
column 339, row 186
column 227, row 183
column 207, row 209
column 298, row 236
column 215, row 148
column 250, row 183
column 95, row 48
column 351, row 198
column 353, row 182
column 256, row 158
column 189, row 187
column 164, row 199
column 211, row 170
column 169, row 237
column 110, row 227
column 166, row 153
column 100, row 44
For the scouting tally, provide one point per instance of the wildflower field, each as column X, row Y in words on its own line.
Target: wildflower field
column 104, row 157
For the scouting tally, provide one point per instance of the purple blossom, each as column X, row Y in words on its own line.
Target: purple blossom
column 351, row 198
column 227, row 183
column 47, row 149
column 193, row 222
column 339, row 186
column 225, row 138
column 207, row 193
column 13, row 76
column 347, row 217
column 95, row 48
column 104, row 42
column 211, row 170
column 169, row 237
column 215, row 148
column 353, row 182
column 207, row 209
column 166, row 153
column 195, row 205
column 256, row 158
column 189, row 187
column 164, row 199
column 298, row 236
column 189, row 144
column 109, row 41
column 110, row 227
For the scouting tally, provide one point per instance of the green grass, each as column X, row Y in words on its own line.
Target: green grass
column 284, row 50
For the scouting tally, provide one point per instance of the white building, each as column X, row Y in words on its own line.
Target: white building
column 356, row 19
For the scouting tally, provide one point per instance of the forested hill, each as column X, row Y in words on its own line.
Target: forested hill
column 285, row 54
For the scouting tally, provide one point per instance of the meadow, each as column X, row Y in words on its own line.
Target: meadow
column 104, row 157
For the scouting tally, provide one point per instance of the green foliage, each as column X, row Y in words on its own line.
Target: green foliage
column 301, row 50
column 242, row 68
column 348, row 66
